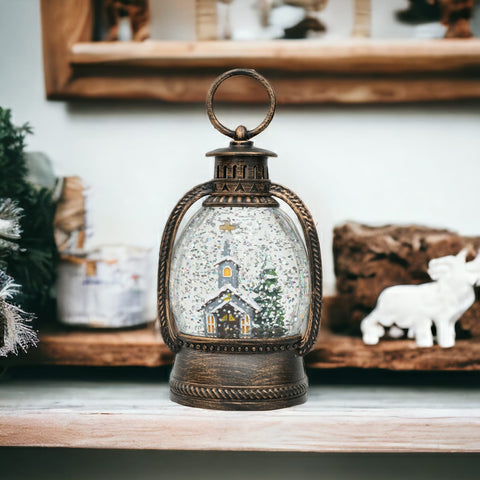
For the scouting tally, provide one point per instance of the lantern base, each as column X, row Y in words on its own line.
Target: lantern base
column 238, row 381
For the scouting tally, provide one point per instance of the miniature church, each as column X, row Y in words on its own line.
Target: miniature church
column 229, row 313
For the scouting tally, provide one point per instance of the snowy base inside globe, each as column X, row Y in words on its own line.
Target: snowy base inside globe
column 238, row 381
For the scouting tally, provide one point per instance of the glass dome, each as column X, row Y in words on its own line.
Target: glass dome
column 240, row 272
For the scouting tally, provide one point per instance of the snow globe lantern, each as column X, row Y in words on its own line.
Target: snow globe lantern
column 239, row 290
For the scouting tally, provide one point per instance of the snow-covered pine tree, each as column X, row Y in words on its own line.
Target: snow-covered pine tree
column 270, row 321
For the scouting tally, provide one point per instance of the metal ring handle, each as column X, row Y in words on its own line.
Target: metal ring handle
column 241, row 132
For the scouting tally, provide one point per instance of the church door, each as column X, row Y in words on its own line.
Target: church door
column 228, row 325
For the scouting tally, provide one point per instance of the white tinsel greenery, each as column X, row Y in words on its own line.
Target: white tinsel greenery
column 10, row 215
column 16, row 331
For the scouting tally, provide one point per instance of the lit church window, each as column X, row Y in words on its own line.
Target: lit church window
column 211, row 324
column 227, row 272
column 245, row 325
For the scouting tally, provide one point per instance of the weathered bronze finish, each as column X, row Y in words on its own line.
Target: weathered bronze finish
column 239, row 374
column 241, row 177
column 229, row 381
column 176, row 340
column 241, row 133
column 241, row 170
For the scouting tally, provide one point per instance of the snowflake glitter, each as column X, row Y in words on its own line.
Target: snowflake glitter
column 240, row 272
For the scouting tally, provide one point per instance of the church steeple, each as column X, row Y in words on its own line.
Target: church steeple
column 227, row 268
column 226, row 249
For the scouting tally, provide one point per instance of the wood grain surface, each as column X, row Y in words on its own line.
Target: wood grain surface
column 340, row 351
column 185, row 87
column 64, row 23
column 99, row 348
column 346, row 56
column 138, row 415
column 145, row 347
column 348, row 71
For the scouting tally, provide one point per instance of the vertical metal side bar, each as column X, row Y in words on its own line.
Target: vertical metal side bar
column 167, row 322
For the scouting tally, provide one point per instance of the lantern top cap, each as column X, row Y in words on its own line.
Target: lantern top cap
column 241, row 133
column 241, row 149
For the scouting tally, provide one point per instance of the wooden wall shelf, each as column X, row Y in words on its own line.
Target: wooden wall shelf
column 350, row 71
column 145, row 347
column 339, row 351
column 142, row 347
column 139, row 415
column 346, row 57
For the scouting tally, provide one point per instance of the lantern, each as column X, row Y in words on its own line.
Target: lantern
column 239, row 291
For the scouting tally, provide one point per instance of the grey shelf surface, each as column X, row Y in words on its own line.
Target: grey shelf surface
column 139, row 415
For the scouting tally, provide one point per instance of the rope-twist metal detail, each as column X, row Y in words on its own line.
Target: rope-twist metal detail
column 167, row 324
column 315, row 259
column 239, row 393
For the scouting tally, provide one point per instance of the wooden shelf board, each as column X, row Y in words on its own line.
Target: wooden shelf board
column 351, row 57
column 339, row 351
column 139, row 415
column 100, row 348
column 145, row 347
column 187, row 87
column 301, row 72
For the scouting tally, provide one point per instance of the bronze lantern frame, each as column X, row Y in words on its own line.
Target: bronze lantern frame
column 239, row 374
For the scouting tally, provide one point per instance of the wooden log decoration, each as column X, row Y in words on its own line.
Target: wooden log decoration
column 370, row 259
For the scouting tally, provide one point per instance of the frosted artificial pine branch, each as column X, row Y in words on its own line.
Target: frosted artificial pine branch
column 10, row 215
column 14, row 329
column 15, row 332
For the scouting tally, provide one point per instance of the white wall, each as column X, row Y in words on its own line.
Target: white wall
column 374, row 164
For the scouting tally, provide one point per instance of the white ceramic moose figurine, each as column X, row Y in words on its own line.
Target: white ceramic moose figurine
column 415, row 307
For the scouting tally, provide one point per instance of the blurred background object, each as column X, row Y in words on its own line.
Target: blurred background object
column 337, row 52
column 103, row 288
column 202, row 20
column 122, row 20
column 70, row 222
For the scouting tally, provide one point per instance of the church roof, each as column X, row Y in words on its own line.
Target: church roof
column 227, row 255
column 231, row 302
column 228, row 259
column 241, row 295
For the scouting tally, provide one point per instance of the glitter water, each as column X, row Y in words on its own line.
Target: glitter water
column 240, row 272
